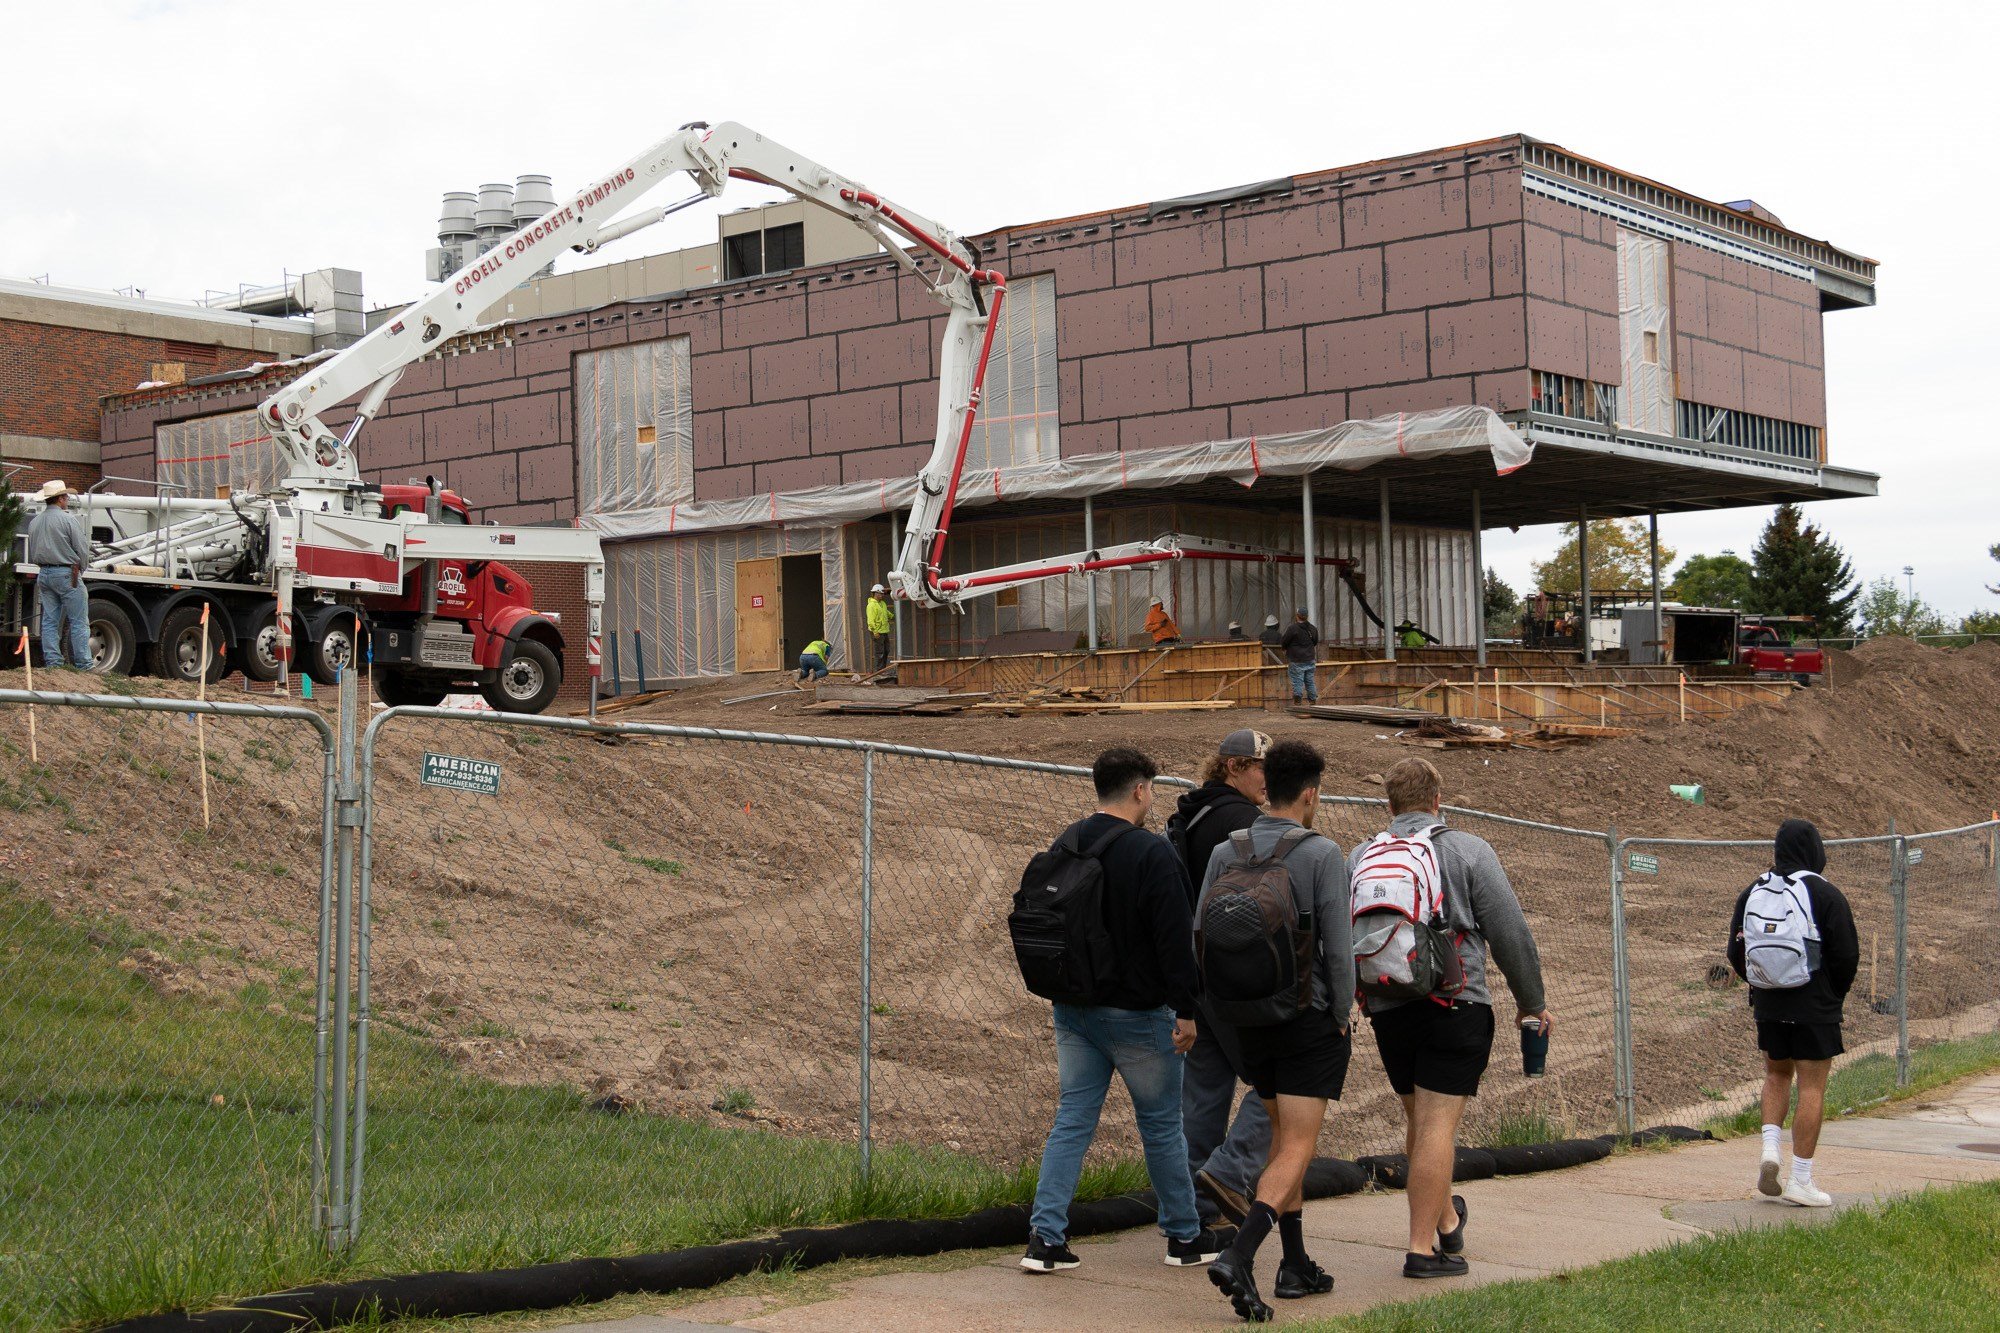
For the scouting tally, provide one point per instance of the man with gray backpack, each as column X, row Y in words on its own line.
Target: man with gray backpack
column 1426, row 902
column 1793, row 939
column 1277, row 973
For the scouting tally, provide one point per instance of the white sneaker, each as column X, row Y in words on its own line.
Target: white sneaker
column 1767, row 1176
column 1805, row 1196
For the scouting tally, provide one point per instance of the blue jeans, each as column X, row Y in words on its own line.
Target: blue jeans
column 1092, row 1043
column 811, row 664
column 61, row 594
column 1233, row 1154
column 1305, row 679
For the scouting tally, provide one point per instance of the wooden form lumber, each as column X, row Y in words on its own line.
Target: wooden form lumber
column 880, row 694
column 625, row 701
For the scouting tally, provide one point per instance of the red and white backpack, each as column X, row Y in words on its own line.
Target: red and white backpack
column 1404, row 948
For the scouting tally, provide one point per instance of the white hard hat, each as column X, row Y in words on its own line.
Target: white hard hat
column 1270, row 620
column 51, row 489
column 878, row 588
column 1158, row 602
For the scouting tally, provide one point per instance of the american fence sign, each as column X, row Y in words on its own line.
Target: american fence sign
column 455, row 772
column 1642, row 863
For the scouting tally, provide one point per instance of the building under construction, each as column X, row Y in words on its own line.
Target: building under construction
column 1310, row 366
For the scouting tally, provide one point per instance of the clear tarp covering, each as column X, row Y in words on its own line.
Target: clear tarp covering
column 229, row 449
column 680, row 595
column 1350, row 446
column 635, row 427
column 1436, row 585
column 1645, row 308
column 1016, row 425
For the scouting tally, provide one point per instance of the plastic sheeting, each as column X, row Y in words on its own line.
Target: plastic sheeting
column 680, row 595
column 229, row 449
column 635, row 427
column 1645, row 333
column 1016, row 425
column 1435, row 583
column 1350, row 446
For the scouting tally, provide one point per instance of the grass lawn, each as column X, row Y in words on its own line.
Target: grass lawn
column 1927, row 1261
column 1871, row 1080
column 155, row 1151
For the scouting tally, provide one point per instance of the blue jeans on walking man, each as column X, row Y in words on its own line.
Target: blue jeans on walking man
column 61, row 594
column 1091, row 1044
column 1232, row 1153
column 1305, row 680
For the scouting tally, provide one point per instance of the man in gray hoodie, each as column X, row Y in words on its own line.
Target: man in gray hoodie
column 1297, row 1063
column 1435, row 1049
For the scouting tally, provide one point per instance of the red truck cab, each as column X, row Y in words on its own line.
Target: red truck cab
column 1760, row 647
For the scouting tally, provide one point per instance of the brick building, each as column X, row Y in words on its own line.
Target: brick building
column 1658, row 351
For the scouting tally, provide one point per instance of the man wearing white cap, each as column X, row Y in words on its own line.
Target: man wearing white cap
column 59, row 546
column 881, row 623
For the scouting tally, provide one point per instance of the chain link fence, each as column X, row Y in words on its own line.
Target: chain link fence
column 476, row 989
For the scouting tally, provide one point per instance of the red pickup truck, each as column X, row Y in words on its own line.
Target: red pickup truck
column 1759, row 648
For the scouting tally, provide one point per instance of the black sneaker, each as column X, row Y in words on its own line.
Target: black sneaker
column 1231, row 1272
column 1306, row 1279
column 1227, row 1201
column 1191, row 1253
column 1434, row 1264
column 1043, row 1257
column 1453, row 1242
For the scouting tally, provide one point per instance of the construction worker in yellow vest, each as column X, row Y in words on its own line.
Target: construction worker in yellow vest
column 813, row 661
column 881, row 623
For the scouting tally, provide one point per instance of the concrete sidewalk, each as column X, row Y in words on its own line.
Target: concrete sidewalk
column 1525, row 1226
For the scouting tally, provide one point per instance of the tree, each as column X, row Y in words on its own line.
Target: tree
column 1797, row 570
column 1715, row 580
column 1503, row 608
column 1886, row 609
column 1618, row 558
column 1981, row 622
column 1994, row 551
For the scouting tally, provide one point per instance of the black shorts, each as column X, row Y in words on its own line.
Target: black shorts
column 1425, row 1045
column 1306, row 1057
column 1800, row 1041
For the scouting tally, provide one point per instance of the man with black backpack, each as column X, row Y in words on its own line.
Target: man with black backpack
column 1225, row 1158
column 1425, row 902
column 1793, row 939
column 1278, row 978
column 1100, row 926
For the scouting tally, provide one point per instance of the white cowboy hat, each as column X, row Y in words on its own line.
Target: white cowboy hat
column 51, row 489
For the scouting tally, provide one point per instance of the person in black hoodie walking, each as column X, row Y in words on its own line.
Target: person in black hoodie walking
column 1226, row 1159
column 1798, row 1026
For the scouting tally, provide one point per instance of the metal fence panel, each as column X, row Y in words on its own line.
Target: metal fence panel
column 1953, row 891
column 159, row 1022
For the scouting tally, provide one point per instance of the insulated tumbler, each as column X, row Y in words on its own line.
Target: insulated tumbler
column 1534, row 1047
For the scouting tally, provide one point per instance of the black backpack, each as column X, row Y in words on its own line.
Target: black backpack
column 1253, row 940
column 1177, row 838
column 1057, row 925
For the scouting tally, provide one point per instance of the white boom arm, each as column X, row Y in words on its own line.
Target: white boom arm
column 589, row 218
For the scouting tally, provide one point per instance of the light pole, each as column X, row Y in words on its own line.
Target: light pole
column 1910, row 582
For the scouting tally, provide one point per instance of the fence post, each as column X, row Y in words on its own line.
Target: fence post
column 1899, row 897
column 322, row 1217
column 1623, row 1078
column 867, row 953
column 347, row 816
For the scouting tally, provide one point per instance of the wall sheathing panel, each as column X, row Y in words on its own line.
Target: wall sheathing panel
column 635, row 427
column 1645, row 332
column 230, row 449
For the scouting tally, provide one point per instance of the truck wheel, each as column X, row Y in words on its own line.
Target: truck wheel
column 177, row 655
column 259, row 656
column 114, row 643
column 527, row 680
column 332, row 652
column 397, row 690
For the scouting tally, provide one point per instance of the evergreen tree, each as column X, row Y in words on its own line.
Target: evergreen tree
column 1797, row 570
column 11, row 513
column 1715, row 580
column 1503, row 607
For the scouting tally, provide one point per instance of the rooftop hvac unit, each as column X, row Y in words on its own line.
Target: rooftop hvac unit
column 455, row 218
column 533, row 196
column 495, row 214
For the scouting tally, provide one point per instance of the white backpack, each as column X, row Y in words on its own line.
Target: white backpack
column 1780, row 938
column 1403, row 948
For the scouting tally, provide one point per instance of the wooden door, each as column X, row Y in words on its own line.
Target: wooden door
column 760, row 616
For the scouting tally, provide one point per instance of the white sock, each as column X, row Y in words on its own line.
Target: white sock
column 1771, row 1133
column 1802, row 1170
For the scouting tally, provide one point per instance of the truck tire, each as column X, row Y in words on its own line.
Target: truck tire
column 177, row 654
column 527, row 681
column 326, row 655
column 114, row 642
column 258, row 658
column 397, row 690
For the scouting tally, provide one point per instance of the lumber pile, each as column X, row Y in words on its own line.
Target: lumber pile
column 1073, row 700
column 1451, row 734
column 1379, row 714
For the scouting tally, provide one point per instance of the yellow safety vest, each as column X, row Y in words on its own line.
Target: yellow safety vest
column 880, row 619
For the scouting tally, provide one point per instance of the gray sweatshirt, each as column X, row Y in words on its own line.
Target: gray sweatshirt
column 1318, row 869
column 56, row 537
column 1479, row 901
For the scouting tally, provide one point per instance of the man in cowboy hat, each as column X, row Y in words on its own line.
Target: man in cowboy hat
column 58, row 544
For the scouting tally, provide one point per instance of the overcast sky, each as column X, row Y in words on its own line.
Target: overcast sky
column 185, row 146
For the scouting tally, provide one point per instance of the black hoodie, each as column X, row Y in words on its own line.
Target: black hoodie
column 1228, row 810
column 1798, row 847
